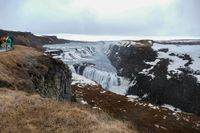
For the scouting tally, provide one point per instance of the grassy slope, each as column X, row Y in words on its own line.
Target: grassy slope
column 25, row 112
column 22, row 112
column 10, row 70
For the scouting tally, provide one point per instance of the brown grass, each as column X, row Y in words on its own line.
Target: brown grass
column 22, row 112
column 143, row 118
column 10, row 59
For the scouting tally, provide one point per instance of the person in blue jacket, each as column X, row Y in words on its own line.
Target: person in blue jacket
column 9, row 43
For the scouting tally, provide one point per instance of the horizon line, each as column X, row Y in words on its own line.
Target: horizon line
column 93, row 37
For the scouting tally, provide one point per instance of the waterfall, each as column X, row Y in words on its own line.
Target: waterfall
column 71, row 67
column 105, row 79
column 89, row 59
column 78, row 69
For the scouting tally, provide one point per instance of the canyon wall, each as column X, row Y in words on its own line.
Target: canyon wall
column 151, row 80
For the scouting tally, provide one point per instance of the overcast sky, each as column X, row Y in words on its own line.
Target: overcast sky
column 103, row 17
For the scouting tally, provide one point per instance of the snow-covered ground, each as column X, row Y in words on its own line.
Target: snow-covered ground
column 179, row 41
column 176, row 62
column 170, row 107
column 192, row 50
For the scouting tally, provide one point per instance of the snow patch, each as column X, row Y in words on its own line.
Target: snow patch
column 153, row 106
column 145, row 95
column 172, row 108
column 80, row 80
column 103, row 92
column 133, row 83
column 147, row 71
column 96, row 108
column 156, row 125
column 132, row 96
column 83, row 102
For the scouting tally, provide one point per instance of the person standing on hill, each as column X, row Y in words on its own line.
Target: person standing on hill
column 9, row 43
column 3, row 41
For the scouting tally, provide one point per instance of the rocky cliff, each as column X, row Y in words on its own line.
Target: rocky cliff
column 29, row 70
column 151, row 79
column 129, row 60
column 29, row 39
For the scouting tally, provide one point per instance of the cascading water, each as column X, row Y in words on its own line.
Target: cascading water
column 89, row 59
column 106, row 79
column 71, row 67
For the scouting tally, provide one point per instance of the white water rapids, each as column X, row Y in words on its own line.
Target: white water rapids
column 94, row 53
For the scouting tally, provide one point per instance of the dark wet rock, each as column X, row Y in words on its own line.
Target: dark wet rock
column 181, row 90
column 188, row 63
column 51, row 78
column 46, row 76
column 54, row 52
column 131, row 60
column 79, row 68
column 172, row 54
column 165, row 50
column 186, row 57
column 197, row 72
column 160, row 69
column 186, row 70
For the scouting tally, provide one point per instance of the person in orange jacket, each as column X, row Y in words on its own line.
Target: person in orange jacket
column 3, row 41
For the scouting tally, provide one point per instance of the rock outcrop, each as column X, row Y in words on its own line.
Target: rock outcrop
column 51, row 78
column 130, row 60
column 29, row 39
column 29, row 70
column 159, row 86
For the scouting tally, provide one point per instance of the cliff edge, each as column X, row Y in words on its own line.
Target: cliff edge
column 29, row 70
column 29, row 39
column 25, row 73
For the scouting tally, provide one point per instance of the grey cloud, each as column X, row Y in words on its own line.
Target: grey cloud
column 181, row 19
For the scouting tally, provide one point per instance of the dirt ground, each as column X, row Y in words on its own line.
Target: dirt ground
column 144, row 116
